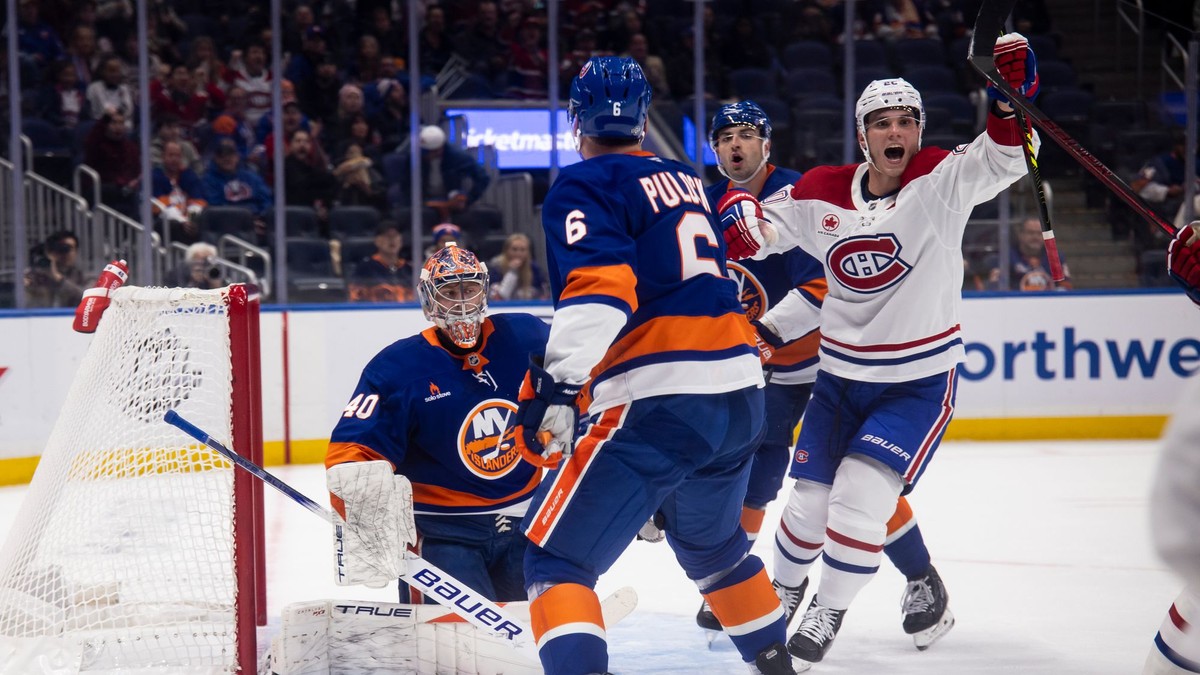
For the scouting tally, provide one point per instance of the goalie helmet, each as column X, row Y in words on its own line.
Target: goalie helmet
column 886, row 95
column 610, row 98
column 742, row 114
column 453, row 291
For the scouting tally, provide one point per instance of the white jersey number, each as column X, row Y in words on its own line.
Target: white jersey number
column 576, row 228
column 691, row 227
column 361, row 406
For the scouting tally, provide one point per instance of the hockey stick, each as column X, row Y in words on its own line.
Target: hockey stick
column 421, row 574
column 1035, row 173
column 989, row 24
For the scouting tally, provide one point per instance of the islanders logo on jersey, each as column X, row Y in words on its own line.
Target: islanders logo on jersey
column 867, row 264
column 750, row 291
column 480, row 440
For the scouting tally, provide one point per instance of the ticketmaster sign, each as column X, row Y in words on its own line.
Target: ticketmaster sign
column 521, row 136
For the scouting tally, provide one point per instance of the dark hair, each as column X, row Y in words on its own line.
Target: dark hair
column 56, row 241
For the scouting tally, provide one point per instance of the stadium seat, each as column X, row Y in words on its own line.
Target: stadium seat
column 870, row 54
column 299, row 221
column 937, row 120
column 807, row 54
column 1068, row 105
column 806, row 81
column 1056, row 75
column 933, row 80
column 355, row 249
column 819, row 101
column 813, row 126
column 753, row 83
column 353, row 221
column 909, row 54
column 864, row 75
column 218, row 221
column 1044, row 46
column 45, row 137
column 962, row 111
column 310, row 272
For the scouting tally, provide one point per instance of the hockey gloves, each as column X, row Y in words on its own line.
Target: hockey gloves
column 547, row 414
column 1183, row 260
column 1017, row 65
column 742, row 221
column 372, row 522
column 766, row 340
column 95, row 300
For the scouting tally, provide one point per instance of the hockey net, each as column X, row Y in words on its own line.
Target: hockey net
column 134, row 550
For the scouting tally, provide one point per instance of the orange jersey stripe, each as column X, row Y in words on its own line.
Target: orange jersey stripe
column 564, row 604
column 900, row 518
column 818, row 288
column 742, row 603
column 679, row 333
column 569, row 475
column 617, row 281
column 796, row 352
column 439, row 496
column 343, row 453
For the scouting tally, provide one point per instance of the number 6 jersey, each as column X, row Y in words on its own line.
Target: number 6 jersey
column 643, row 304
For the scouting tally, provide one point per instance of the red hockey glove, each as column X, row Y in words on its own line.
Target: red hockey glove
column 1017, row 65
column 95, row 300
column 745, row 228
column 547, row 414
column 766, row 340
column 1183, row 261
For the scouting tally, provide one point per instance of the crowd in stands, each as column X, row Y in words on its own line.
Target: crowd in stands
column 346, row 90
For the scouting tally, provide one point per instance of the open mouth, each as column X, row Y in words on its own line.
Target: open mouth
column 736, row 158
column 893, row 153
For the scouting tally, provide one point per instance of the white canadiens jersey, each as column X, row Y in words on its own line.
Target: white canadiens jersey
column 894, row 265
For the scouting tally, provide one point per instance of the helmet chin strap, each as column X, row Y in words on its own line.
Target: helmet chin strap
column 761, row 164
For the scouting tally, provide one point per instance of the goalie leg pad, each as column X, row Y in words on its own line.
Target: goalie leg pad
column 373, row 522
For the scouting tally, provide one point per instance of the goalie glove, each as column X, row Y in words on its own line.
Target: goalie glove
column 372, row 522
column 745, row 228
column 1183, row 260
column 1017, row 65
column 547, row 414
column 95, row 300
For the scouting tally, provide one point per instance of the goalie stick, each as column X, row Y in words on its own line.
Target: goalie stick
column 990, row 24
column 421, row 574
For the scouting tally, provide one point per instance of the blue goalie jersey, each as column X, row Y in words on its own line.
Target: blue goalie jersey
column 439, row 418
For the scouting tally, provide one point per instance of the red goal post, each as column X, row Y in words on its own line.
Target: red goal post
column 136, row 548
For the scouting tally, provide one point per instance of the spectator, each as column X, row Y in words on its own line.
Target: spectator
column 266, row 123
column 680, row 67
column 392, row 40
column 515, row 274
column 303, row 65
column 366, row 66
column 746, row 46
column 108, row 91
column 653, row 66
column 390, row 112
column 178, row 193
column 318, row 96
column 444, row 233
column 205, row 62
column 109, row 150
column 200, row 268
column 178, row 96
column 584, row 47
column 452, row 179
column 82, row 52
column 359, row 182
column 293, row 120
column 252, row 75
column 351, row 105
column 306, row 176
column 903, row 20
column 114, row 18
column 293, row 37
column 1028, row 265
column 528, row 79
column 383, row 276
column 62, row 100
column 362, row 134
column 226, row 183
column 434, row 41
column 54, row 279
column 36, row 40
column 486, row 54
column 1160, row 183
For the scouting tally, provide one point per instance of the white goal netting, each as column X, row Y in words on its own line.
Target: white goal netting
column 122, row 558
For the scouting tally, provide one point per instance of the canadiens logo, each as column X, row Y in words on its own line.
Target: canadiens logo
column 830, row 222
column 479, row 440
column 801, row 456
column 867, row 264
column 750, row 291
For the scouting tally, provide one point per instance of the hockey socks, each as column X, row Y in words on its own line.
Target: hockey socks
column 569, row 630
column 801, row 533
column 905, row 546
column 746, row 605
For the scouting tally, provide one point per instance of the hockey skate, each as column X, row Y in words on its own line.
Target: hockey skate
column 815, row 635
column 706, row 619
column 775, row 660
column 927, row 615
column 790, row 597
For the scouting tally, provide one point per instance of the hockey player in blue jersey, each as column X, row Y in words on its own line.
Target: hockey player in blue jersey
column 782, row 296
column 889, row 231
column 419, row 456
column 648, row 337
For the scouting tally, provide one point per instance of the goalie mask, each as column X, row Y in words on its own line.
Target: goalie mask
column 890, row 94
column 453, row 291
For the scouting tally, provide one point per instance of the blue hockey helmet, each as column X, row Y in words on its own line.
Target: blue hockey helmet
column 742, row 114
column 610, row 98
